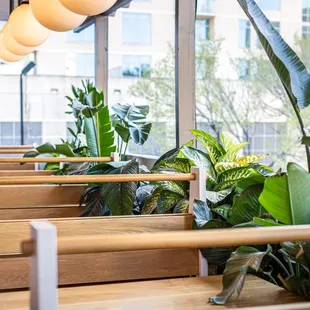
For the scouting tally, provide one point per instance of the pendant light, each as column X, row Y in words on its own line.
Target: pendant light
column 5, row 54
column 25, row 29
column 88, row 7
column 11, row 44
column 54, row 16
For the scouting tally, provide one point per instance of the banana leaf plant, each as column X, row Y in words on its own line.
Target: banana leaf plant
column 129, row 121
column 285, row 197
column 94, row 136
column 292, row 72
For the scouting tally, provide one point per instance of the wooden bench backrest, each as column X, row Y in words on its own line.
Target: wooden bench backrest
column 40, row 201
column 101, row 267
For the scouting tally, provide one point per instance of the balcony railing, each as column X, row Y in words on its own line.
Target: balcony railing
column 205, row 7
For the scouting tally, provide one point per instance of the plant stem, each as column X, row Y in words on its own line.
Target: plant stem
column 280, row 264
column 302, row 128
column 297, row 269
column 125, row 151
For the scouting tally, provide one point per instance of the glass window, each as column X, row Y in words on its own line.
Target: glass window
column 136, row 66
column 269, row 5
column 238, row 91
column 87, row 35
column 202, row 29
column 137, row 28
column 306, row 32
column 142, row 68
column 60, row 63
column 306, row 10
column 244, row 34
column 205, row 6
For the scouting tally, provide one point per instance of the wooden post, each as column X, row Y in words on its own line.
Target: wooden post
column 197, row 191
column 115, row 157
column 43, row 267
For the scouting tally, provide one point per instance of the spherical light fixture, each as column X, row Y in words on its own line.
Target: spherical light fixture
column 88, row 7
column 54, row 16
column 5, row 54
column 11, row 44
column 25, row 29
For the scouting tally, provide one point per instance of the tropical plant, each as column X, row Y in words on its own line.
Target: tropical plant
column 112, row 198
column 130, row 123
column 285, row 197
column 224, row 170
column 94, row 134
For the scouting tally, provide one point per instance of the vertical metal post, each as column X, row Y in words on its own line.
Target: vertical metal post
column 185, row 69
column 102, row 54
column 21, row 81
column 43, row 267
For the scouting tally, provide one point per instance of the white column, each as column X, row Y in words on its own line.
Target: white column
column 198, row 192
column 43, row 267
column 185, row 68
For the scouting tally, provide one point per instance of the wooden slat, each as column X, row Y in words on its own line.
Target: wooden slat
column 103, row 267
column 16, row 147
column 54, row 159
column 32, row 195
column 106, row 267
column 16, row 167
column 14, row 151
column 14, row 173
column 96, row 178
column 13, row 232
column 181, row 294
column 39, row 213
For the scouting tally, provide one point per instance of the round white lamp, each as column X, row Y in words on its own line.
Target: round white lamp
column 54, row 16
column 88, row 7
column 25, row 29
column 11, row 44
column 5, row 54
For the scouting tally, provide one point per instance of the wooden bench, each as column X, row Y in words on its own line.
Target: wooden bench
column 177, row 293
column 31, row 198
column 20, row 166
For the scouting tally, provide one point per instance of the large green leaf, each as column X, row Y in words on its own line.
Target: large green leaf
column 216, row 197
column 292, row 72
column 120, row 197
column 199, row 159
column 182, row 206
column 246, row 206
column 222, row 210
column 178, row 187
column 275, row 198
column 214, row 149
column 286, row 197
column 231, row 153
column 236, row 269
column 161, row 201
column 105, row 133
column 202, row 213
column 230, row 178
column 91, row 136
column 49, row 148
column 139, row 133
column 174, row 165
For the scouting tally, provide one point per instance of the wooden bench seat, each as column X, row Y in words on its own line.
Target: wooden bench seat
column 181, row 294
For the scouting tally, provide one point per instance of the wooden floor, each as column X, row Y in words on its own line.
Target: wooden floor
column 180, row 294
